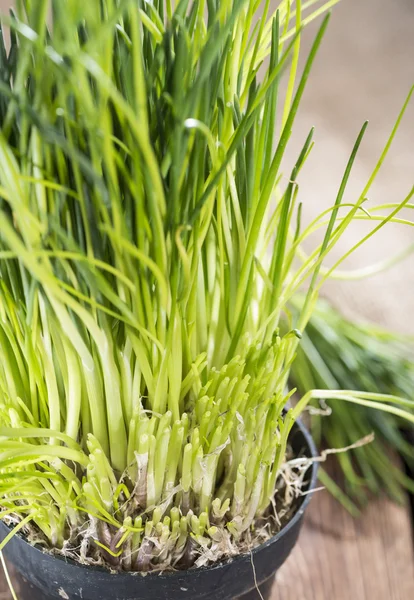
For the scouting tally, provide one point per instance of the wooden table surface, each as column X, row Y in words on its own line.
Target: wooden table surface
column 341, row 558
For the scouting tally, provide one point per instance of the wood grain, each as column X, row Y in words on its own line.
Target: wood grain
column 5, row 593
column 341, row 558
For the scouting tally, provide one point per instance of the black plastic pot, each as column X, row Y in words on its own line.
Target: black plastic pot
column 43, row 577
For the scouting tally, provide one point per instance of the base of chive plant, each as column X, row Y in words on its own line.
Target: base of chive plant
column 42, row 576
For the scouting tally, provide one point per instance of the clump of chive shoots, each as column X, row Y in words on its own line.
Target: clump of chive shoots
column 148, row 250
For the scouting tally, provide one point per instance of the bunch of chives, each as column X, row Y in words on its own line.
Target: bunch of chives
column 336, row 353
column 147, row 253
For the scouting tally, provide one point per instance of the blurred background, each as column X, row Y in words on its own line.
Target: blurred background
column 364, row 71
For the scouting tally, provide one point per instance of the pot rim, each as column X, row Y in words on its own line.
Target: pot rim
column 168, row 575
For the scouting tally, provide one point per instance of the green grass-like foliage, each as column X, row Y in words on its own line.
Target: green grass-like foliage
column 148, row 243
column 336, row 353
